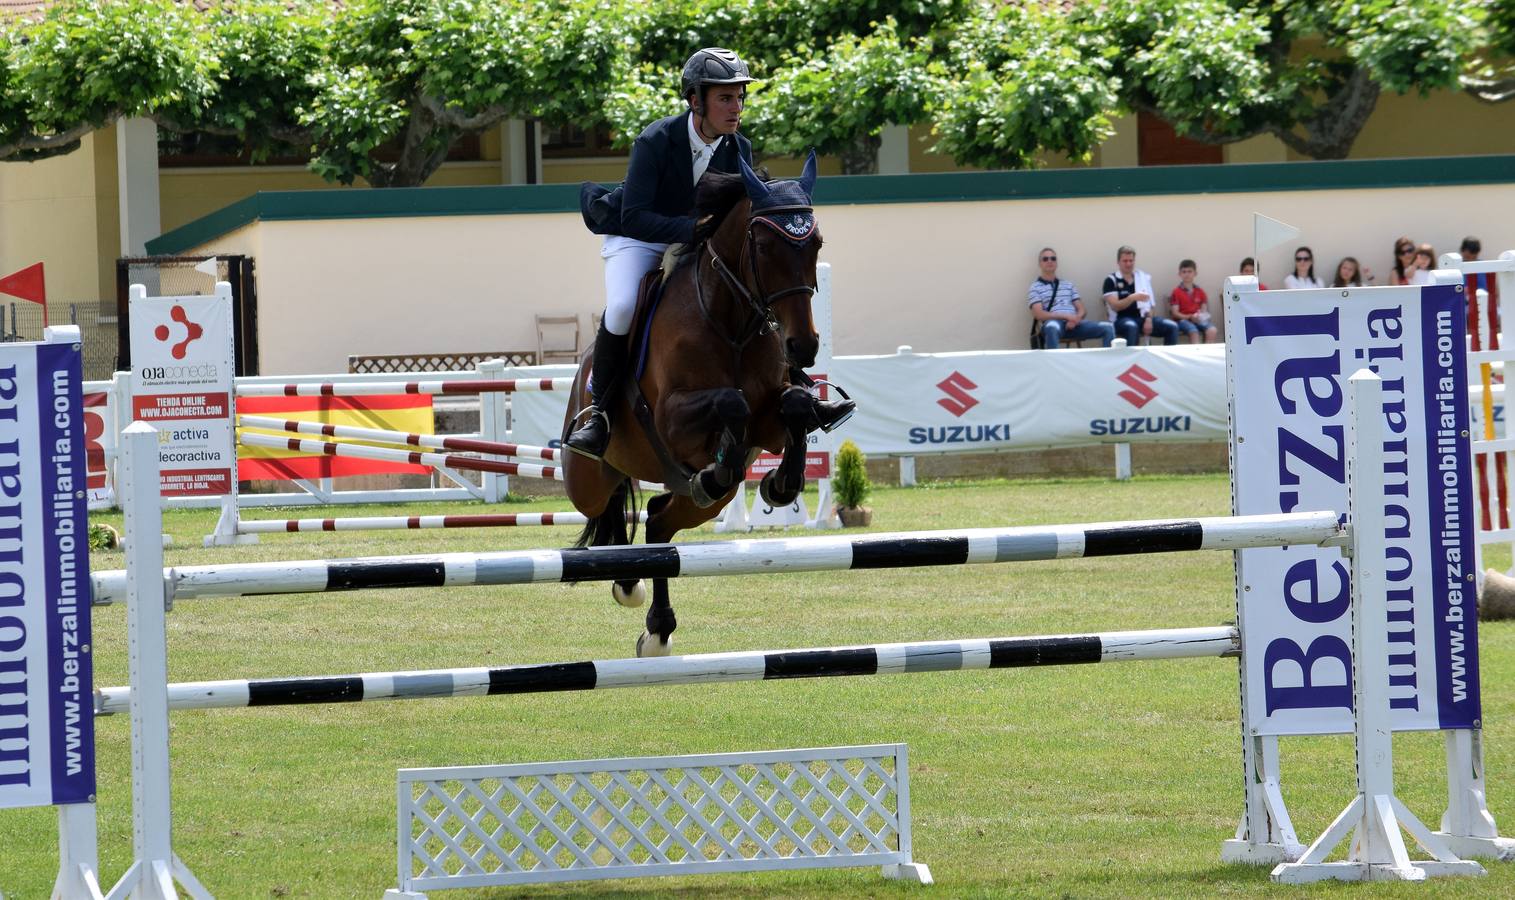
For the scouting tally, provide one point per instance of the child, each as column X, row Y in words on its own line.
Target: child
column 1190, row 306
column 1249, row 267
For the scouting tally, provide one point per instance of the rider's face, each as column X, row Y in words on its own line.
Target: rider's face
column 723, row 109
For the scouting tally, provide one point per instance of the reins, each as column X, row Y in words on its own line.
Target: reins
column 760, row 319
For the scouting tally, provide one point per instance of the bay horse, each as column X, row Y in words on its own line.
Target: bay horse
column 734, row 317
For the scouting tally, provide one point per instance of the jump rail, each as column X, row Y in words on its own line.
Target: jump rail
column 398, row 523
column 704, row 668
column 435, row 441
column 360, row 389
column 742, row 557
column 361, row 451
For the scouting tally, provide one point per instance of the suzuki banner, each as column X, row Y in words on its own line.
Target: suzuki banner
column 182, row 376
column 47, row 743
column 917, row 403
column 1289, row 355
column 911, row 404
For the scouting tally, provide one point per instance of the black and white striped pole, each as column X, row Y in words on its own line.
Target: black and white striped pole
column 704, row 668
column 742, row 557
column 1375, row 816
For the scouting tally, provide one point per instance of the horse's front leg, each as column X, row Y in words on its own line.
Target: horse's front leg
column 781, row 486
column 697, row 415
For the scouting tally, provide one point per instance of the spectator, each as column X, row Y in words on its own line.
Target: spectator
column 1425, row 261
column 1404, row 261
column 1471, row 247
column 1304, row 271
column 1350, row 274
column 1057, row 310
column 1249, row 267
column 1190, row 306
column 1128, row 297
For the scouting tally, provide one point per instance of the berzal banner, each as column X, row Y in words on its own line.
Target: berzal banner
column 182, row 384
column 918, row 403
column 47, row 741
column 1289, row 354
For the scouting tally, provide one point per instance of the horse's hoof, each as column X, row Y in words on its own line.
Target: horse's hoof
column 652, row 645
column 775, row 496
column 630, row 599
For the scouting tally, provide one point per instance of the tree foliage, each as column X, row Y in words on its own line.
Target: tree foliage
column 84, row 64
column 379, row 89
column 1021, row 79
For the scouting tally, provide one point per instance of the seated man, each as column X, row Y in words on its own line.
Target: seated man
column 1128, row 297
column 1057, row 310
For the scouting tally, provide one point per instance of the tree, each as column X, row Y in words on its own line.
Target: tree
column 1022, row 78
column 410, row 74
column 420, row 73
column 84, row 64
column 833, row 73
column 1491, row 77
column 1306, row 73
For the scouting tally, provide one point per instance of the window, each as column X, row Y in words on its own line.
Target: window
column 1157, row 144
column 197, row 149
column 569, row 141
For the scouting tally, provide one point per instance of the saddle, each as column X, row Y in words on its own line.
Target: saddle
column 676, row 475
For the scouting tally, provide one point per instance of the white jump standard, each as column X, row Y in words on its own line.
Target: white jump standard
column 704, row 668
column 742, row 557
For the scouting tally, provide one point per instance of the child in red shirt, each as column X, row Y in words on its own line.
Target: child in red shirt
column 1190, row 306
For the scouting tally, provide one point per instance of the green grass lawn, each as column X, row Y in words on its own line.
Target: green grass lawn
column 1095, row 781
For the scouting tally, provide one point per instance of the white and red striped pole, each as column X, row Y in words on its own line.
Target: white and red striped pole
column 436, row 441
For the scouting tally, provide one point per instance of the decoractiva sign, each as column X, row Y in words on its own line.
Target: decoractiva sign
column 182, row 384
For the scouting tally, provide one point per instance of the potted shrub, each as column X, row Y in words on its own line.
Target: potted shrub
column 851, row 486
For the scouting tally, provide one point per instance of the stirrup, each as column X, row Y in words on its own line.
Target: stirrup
column 584, row 441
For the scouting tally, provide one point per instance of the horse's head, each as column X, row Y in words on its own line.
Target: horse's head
column 781, row 242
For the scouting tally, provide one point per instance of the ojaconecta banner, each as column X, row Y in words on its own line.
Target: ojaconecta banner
column 182, row 384
column 47, row 742
column 1289, row 354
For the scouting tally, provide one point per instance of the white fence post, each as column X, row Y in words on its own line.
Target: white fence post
column 155, row 868
column 492, row 426
column 1375, row 816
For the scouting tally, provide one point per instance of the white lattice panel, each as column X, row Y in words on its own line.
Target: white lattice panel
column 475, row 826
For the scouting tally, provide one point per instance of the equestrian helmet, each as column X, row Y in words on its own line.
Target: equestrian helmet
column 713, row 65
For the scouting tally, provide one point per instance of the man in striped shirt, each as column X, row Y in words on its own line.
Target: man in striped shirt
column 1056, row 310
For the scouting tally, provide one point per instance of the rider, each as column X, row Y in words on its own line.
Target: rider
column 653, row 208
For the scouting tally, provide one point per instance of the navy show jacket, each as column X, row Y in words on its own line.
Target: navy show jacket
column 656, row 201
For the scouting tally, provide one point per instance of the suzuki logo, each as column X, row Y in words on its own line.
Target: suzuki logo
column 192, row 332
column 958, row 401
column 1138, row 380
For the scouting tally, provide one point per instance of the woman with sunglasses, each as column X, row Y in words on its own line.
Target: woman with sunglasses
column 1304, row 271
column 1404, row 262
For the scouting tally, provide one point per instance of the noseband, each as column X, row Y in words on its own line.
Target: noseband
column 796, row 224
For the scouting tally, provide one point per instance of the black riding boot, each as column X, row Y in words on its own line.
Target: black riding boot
column 828, row 414
column 824, row 414
column 593, row 437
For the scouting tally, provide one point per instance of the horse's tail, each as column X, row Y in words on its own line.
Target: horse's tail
column 610, row 527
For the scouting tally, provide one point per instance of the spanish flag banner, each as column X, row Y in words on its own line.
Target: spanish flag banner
column 394, row 412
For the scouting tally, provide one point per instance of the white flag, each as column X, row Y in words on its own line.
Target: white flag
column 210, row 267
column 1269, row 233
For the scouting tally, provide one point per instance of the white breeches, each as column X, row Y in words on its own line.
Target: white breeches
column 626, row 261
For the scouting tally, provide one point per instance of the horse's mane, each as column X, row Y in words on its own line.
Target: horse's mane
column 716, row 195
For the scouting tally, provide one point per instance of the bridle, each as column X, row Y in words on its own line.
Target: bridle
column 796, row 224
